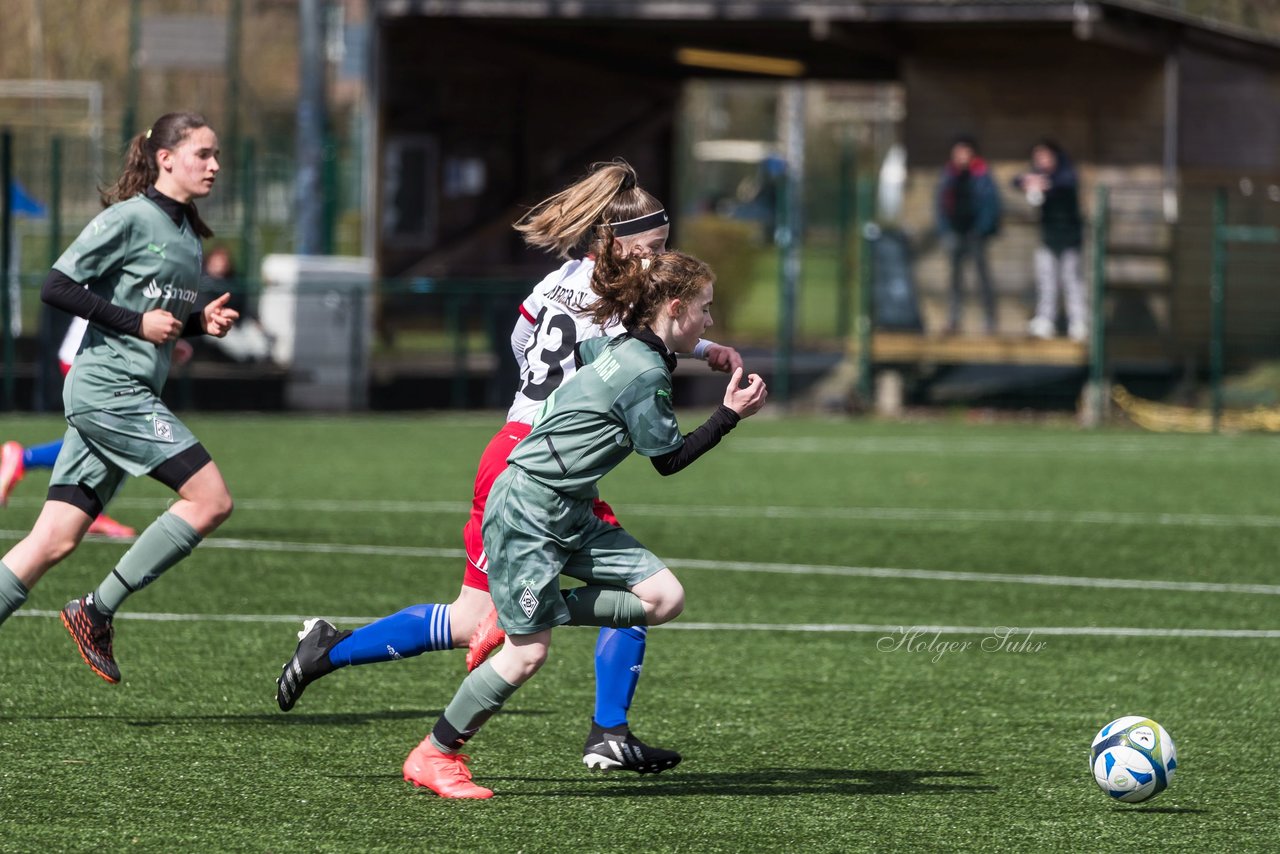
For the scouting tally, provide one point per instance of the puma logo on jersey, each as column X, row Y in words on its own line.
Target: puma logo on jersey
column 159, row 250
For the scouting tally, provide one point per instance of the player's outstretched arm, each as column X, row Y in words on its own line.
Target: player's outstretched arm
column 738, row 404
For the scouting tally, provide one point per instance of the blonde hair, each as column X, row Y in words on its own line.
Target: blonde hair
column 632, row 289
column 141, row 169
column 572, row 218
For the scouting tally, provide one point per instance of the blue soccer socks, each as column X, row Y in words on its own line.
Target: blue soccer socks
column 41, row 456
column 413, row 631
column 619, row 657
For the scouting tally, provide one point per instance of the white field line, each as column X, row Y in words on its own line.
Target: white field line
column 848, row 514
column 896, row 632
column 757, row 566
column 1027, row 446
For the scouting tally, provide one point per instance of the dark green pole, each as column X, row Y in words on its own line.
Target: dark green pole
column 1217, row 299
column 329, row 193
column 248, row 217
column 47, row 385
column 845, row 228
column 787, row 262
column 6, row 229
column 131, row 85
column 454, row 309
column 867, row 233
column 1097, row 326
column 55, row 199
column 232, row 130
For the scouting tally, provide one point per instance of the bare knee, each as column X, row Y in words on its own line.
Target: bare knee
column 56, row 546
column 465, row 614
column 666, row 609
column 213, row 510
column 663, row 597
column 517, row 662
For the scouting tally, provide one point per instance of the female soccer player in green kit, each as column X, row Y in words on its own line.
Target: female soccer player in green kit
column 133, row 273
column 538, row 522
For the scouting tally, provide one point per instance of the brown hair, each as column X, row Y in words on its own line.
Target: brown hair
column 571, row 219
column 141, row 169
column 632, row 289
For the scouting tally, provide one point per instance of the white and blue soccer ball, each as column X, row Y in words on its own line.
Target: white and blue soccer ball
column 1133, row 759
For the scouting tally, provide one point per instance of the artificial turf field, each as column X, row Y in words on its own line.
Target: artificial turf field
column 1137, row 574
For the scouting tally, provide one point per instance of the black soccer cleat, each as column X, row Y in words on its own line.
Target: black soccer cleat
column 93, row 633
column 617, row 749
column 310, row 661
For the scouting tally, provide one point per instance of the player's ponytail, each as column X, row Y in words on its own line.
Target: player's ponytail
column 571, row 219
column 141, row 169
column 633, row 289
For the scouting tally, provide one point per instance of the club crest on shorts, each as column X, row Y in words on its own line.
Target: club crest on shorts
column 528, row 602
column 164, row 430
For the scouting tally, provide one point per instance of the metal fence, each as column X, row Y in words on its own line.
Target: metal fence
column 1184, row 314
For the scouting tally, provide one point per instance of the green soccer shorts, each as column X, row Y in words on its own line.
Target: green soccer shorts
column 102, row 446
column 533, row 534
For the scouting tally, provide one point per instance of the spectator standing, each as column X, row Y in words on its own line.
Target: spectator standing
column 968, row 215
column 1053, row 187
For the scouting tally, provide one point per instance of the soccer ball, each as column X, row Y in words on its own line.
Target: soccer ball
column 1133, row 759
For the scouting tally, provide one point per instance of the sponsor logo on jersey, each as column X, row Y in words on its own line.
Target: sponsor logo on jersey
column 155, row 290
column 159, row 250
column 606, row 366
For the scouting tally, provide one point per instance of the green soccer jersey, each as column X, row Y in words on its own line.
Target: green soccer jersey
column 131, row 255
column 619, row 402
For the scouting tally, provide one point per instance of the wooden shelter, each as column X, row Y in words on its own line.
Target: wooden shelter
column 485, row 105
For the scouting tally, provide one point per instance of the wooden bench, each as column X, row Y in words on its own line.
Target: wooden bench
column 907, row 348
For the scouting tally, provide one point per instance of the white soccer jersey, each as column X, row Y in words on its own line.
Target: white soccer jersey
column 553, row 322
column 71, row 341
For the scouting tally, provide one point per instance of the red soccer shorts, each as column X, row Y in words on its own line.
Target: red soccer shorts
column 492, row 463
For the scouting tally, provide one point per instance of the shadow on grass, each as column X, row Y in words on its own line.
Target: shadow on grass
column 1161, row 810
column 772, row 782
column 258, row 718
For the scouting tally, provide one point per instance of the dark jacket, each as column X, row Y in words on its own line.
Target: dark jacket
column 968, row 201
column 1061, row 226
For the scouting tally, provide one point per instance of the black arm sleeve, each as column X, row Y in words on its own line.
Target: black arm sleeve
column 61, row 291
column 195, row 321
column 698, row 442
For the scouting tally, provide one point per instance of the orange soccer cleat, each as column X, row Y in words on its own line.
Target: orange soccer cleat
column 93, row 634
column 487, row 637
column 446, row 774
column 108, row 527
column 11, row 469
